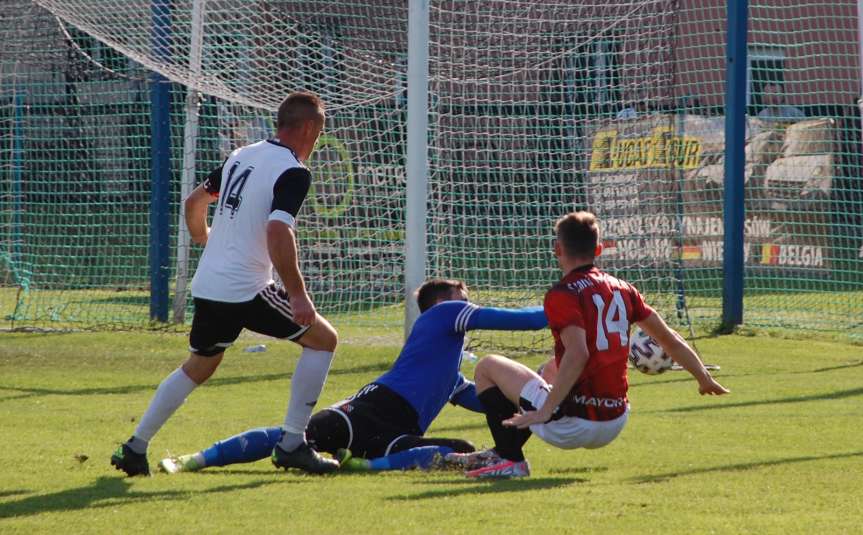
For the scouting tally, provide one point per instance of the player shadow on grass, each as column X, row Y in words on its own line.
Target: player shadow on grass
column 17, row 492
column 469, row 486
column 28, row 392
column 832, row 368
column 660, row 478
column 267, row 469
column 837, row 394
column 108, row 492
column 578, row 470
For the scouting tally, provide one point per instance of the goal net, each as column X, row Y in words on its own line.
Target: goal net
column 536, row 108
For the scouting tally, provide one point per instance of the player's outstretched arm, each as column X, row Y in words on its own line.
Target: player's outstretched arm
column 680, row 352
column 195, row 206
column 507, row 319
column 282, row 246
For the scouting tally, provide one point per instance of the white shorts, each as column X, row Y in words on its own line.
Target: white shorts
column 570, row 432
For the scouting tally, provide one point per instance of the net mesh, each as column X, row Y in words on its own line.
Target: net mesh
column 255, row 52
column 518, row 88
column 536, row 109
column 81, row 258
column 805, row 80
column 75, row 165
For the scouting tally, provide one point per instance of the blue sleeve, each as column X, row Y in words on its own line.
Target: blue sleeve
column 462, row 316
column 465, row 396
column 507, row 319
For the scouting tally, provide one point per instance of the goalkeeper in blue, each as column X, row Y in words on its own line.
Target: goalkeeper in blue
column 381, row 427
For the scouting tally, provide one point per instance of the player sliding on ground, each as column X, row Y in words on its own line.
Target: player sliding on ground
column 260, row 189
column 384, row 422
column 589, row 313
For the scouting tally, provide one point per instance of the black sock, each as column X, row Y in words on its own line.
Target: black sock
column 508, row 441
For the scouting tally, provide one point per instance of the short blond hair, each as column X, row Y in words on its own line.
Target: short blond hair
column 298, row 108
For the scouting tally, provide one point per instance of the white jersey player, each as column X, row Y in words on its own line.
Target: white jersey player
column 258, row 193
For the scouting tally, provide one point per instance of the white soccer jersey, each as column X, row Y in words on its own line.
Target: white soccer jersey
column 257, row 183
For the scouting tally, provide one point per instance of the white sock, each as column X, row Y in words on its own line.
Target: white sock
column 169, row 396
column 306, row 385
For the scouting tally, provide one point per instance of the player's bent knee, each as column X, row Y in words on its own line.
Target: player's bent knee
column 199, row 368
column 480, row 370
column 329, row 336
column 494, row 361
column 333, row 337
column 485, row 362
column 490, row 364
column 499, row 367
column 208, row 352
column 483, row 374
column 322, row 336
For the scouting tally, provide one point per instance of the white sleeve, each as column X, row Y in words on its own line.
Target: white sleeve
column 284, row 217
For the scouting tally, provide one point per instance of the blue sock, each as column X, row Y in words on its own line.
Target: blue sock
column 412, row 458
column 252, row 445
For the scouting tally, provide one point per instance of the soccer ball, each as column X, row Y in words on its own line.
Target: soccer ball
column 646, row 355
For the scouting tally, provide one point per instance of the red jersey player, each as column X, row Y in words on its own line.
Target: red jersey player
column 590, row 314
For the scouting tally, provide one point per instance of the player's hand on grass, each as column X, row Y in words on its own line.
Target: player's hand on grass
column 527, row 419
column 303, row 309
column 709, row 386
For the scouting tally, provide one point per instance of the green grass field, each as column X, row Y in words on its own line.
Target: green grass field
column 783, row 453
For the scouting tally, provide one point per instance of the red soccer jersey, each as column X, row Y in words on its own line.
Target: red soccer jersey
column 604, row 307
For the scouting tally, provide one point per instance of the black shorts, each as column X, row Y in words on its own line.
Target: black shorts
column 369, row 423
column 216, row 324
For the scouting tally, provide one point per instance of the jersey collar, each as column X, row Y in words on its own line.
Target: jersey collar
column 278, row 143
column 581, row 269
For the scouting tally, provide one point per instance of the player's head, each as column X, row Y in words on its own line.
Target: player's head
column 299, row 122
column 434, row 291
column 577, row 238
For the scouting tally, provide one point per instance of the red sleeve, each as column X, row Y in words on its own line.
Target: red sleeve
column 640, row 310
column 562, row 309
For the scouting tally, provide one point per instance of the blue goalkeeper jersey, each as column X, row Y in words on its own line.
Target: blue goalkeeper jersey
column 426, row 373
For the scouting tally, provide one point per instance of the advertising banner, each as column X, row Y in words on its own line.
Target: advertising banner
column 656, row 184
